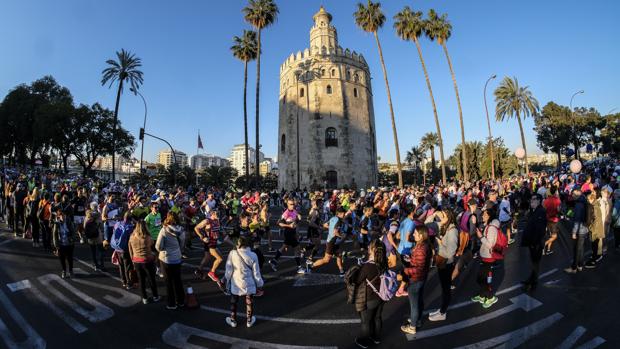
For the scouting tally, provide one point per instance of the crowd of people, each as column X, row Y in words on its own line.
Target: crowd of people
column 394, row 236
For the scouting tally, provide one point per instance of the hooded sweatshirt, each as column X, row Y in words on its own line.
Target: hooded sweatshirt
column 489, row 237
column 169, row 242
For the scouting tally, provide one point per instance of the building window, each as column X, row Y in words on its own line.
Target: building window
column 329, row 89
column 322, row 72
column 356, row 78
column 323, row 50
column 355, row 92
column 331, row 179
column 330, row 137
column 348, row 75
column 283, row 143
column 301, row 92
column 284, row 100
column 333, row 72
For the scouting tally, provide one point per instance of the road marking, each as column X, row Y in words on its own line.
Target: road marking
column 32, row 341
column 572, row 338
column 522, row 301
column 592, row 344
column 516, row 338
column 317, row 280
column 19, row 285
column 178, row 335
column 100, row 311
column 287, row 320
column 102, row 272
column 68, row 319
column 126, row 300
column 6, row 242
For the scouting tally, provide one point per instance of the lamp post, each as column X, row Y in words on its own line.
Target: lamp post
column 573, row 119
column 609, row 112
column 489, row 127
column 143, row 125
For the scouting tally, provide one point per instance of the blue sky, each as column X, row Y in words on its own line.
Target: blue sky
column 192, row 81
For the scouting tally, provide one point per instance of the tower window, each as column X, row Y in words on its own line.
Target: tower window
column 355, row 92
column 356, row 78
column 323, row 50
column 322, row 72
column 331, row 179
column 329, row 89
column 301, row 92
column 348, row 75
column 284, row 100
column 333, row 72
column 331, row 139
column 283, row 143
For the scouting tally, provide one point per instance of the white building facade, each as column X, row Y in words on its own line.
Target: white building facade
column 165, row 158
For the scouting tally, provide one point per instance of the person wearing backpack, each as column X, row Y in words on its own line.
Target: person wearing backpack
column 467, row 225
column 417, row 272
column 243, row 279
column 368, row 303
column 169, row 243
column 488, row 239
column 119, row 242
column 92, row 232
column 44, row 214
column 533, row 239
column 447, row 241
column 64, row 239
column 32, row 207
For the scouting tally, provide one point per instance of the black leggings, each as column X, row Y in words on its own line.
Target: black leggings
column 445, row 279
column 249, row 306
column 146, row 270
column 174, row 285
column 65, row 254
column 372, row 322
column 486, row 289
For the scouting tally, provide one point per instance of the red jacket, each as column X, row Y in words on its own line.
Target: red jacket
column 420, row 263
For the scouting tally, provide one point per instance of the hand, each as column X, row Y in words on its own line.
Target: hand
column 106, row 244
column 574, row 236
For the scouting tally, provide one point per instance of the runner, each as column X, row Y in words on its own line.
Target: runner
column 335, row 238
column 208, row 232
column 288, row 222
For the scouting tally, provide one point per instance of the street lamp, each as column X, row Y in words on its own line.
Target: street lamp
column 489, row 126
column 143, row 125
column 572, row 112
column 609, row 112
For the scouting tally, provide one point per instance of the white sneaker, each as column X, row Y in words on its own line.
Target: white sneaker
column 232, row 323
column 438, row 316
column 301, row 270
column 251, row 322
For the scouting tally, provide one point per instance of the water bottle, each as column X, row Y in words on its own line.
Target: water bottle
column 490, row 277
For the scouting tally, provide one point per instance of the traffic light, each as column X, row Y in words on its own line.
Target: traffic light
column 141, row 133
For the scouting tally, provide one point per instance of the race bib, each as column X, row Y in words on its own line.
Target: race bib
column 157, row 222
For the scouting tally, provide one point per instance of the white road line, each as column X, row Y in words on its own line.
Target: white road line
column 287, row 320
column 516, row 338
column 592, row 344
column 68, row 319
column 572, row 338
column 522, row 301
column 102, row 272
column 19, row 285
column 178, row 335
column 126, row 300
column 32, row 341
column 100, row 311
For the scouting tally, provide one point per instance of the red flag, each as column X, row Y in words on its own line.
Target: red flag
column 200, row 143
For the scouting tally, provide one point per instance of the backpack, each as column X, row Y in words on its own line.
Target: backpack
column 501, row 245
column 119, row 238
column 349, row 280
column 41, row 211
column 388, row 287
column 91, row 229
column 464, row 221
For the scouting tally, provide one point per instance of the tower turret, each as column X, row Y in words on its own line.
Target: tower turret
column 323, row 35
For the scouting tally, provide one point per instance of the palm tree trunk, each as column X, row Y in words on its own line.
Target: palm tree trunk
column 433, row 164
column 527, row 168
column 257, row 164
column 389, row 96
column 559, row 159
column 245, row 122
column 458, row 102
column 430, row 91
column 114, row 125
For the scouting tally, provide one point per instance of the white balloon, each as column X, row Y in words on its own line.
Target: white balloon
column 575, row 166
column 520, row 153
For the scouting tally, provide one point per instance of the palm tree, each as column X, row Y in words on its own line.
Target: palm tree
column 124, row 69
column 415, row 155
column 428, row 142
column 244, row 49
column 513, row 100
column 409, row 26
column 260, row 14
column 370, row 19
column 438, row 27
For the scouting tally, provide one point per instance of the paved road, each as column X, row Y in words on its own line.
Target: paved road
column 38, row 309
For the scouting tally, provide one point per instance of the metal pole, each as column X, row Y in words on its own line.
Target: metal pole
column 174, row 157
column 572, row 112
column 297, row 125
column 143, row 125
column 489, row 126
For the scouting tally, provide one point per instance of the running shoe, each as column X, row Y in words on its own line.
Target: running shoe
column 489, row 302
column 408, row 329
column 213, row 277
column 591, row 265
column 571, row 270
column 401, row 293
column 274, row 265
column 341, row 274
column 437, row 316
column 145, row 301
column 251, row 321
column 63, row 274
column 360, row 344
column 231, row 322
column 301, row 270
column 478, row 299
column 156, row 299
column 171, row 307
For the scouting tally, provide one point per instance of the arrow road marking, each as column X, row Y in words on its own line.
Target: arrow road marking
column 572, row 338
column 515, row 338
column 592, row 344
column 100, row 311
column 286, row 319
column 178, row 335
column 32, row 341
column 522, row 301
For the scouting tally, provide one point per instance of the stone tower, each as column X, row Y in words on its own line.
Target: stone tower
column 327, row 123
